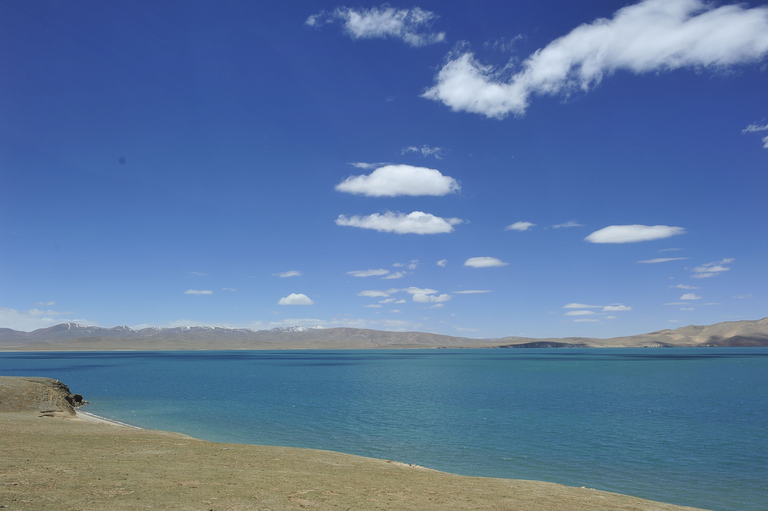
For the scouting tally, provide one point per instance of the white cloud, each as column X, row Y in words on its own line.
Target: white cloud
column 662, row 260
column 690, row 296
column 484, row 262
column 711, row 269
column 651, row 36
column 417, row 222
column 368, row 273
column 581, row 306
column 228, row 289
column 425, row 150
column 394, row 180
column 585, row 320
column 26, row 321
column 633, row 233
column 373, row 306
column 442, row 262
column 436, row 306
column 472, row 291
column 396, row 275
column 400, row 301
column 568, row 224
column 579, row 313
column 754, row 127
column 687, row 308
column 45, row 304
column 610, row 317
column 616, row 308
column 742, row 297
column 198, row 273
column 367, row 166
column 388, row 300
column 292, row 273
column 198, row 292
column 395, row 311
column 685, row 286
column 412, row 26
column 414, row 291
column 371, row 293
column 398, row 265
column 413, row 264
column 426, row 298
column 519, row 226
column 295, row 299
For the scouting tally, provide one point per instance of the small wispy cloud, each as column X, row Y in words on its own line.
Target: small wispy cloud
column 45, row 304
column 198, row 292
column 579, row 313
column 442, row 263
column 412, row 26
column 198, row 273
column 755, row 127
column 292, row 273
column 228, row 289
column 368, row 273
column 519, row 226
column 567, row 225
column 581, row 306
column 711, row 269
column 373, row 306
column 633, row 233
column 426, row 298
column 616, row 308
column 484, row 262
column 662, row 260
column 368, row 166
column 690, row 296
column 685, row 286
column 585, row 320
column 742, row 297
column 436, row 306
column 416, row 222
column 395, row 275
column 373, row 293
column 425, row 150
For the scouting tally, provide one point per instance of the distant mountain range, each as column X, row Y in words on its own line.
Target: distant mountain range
column 75, row 337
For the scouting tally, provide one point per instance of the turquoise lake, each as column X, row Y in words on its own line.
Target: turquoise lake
column 685, row 426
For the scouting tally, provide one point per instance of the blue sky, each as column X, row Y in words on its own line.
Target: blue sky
column 594, row 168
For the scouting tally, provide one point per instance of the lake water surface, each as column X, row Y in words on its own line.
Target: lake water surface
column 685, row 426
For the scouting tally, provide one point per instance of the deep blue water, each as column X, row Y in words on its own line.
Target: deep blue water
column 686, row 426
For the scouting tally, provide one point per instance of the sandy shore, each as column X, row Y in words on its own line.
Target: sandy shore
column 54, row 458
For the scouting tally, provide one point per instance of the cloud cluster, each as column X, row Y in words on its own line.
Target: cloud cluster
column 711, row 269
column 633, row 233
column 484, row 262
column 519, row 226
column 409, row 25
column 650, row 36
column 395, row 180
column 417, row 222
column 295, row 299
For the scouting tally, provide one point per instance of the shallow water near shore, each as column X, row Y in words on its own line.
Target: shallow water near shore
column 685, row 426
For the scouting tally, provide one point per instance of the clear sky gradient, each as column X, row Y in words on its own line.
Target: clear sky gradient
column 595, row 168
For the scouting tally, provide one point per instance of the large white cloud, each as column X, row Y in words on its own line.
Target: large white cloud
column 484, row 262
column 633, row 233
column 394, row 180
column 650, row 36
column 295, row 299
column 409, row 25
column 417, row 222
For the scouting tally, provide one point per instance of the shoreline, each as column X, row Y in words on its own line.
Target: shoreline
column 59, row 457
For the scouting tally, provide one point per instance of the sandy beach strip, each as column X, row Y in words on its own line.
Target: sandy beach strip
column 53, row 458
